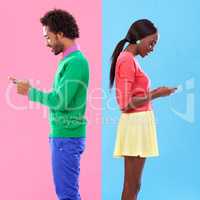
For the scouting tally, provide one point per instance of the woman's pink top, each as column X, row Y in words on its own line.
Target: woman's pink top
column 130, row 82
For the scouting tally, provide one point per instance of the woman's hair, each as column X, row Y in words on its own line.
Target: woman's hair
column 138, row 30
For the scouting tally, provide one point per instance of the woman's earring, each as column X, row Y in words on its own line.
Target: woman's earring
column 138, row 41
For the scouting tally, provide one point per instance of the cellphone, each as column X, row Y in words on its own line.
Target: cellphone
column 15, row 81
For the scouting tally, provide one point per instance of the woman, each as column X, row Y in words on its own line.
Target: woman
column 136, row 135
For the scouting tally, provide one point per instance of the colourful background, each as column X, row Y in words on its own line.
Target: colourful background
column 25, row 171
column 175, row 174
column 25, row 162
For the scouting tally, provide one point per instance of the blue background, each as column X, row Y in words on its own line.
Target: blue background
column 174, row 175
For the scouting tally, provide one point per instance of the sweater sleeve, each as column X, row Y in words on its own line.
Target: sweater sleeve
column 60, row 98
column 125, row 81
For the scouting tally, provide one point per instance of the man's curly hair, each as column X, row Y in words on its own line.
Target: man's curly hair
column 61, row 21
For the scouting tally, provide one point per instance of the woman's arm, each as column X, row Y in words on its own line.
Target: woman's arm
column 154, row 94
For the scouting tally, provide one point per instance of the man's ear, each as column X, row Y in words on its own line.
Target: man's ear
column 60, row 35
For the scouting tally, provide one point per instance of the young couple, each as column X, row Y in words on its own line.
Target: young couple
column 136, row 134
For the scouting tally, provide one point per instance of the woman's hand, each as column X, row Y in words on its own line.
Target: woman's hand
column 162, row 92
column 158, row 92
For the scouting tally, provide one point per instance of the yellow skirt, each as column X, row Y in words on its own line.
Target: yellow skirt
column 136, row 135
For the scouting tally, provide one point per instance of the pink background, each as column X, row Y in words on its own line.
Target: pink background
column 25, row 170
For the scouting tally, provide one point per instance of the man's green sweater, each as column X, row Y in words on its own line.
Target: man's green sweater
column 67, row 100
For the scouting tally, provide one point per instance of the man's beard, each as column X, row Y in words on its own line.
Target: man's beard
column 58, row 49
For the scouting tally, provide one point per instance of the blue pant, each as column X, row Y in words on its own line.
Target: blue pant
column 65, row 156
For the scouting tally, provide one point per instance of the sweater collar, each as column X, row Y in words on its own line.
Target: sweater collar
column 71, row 49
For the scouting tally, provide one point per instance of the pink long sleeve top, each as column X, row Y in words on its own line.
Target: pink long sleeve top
column 130, row 82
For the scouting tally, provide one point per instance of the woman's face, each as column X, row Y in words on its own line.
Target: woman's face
column 147, row 44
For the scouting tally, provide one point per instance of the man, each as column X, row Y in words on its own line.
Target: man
column 66, row 102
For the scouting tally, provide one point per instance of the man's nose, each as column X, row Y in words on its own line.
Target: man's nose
column 48, row 45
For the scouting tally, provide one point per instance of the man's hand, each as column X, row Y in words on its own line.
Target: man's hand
column 22, row 86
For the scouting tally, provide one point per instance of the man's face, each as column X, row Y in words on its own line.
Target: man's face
column 53, row 41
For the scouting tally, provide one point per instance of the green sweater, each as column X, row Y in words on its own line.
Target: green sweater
column 67, row 100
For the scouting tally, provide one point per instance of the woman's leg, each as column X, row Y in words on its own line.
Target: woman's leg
column 132, row 177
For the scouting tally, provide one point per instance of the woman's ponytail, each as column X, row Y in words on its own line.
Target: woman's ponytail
column 118, row 49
